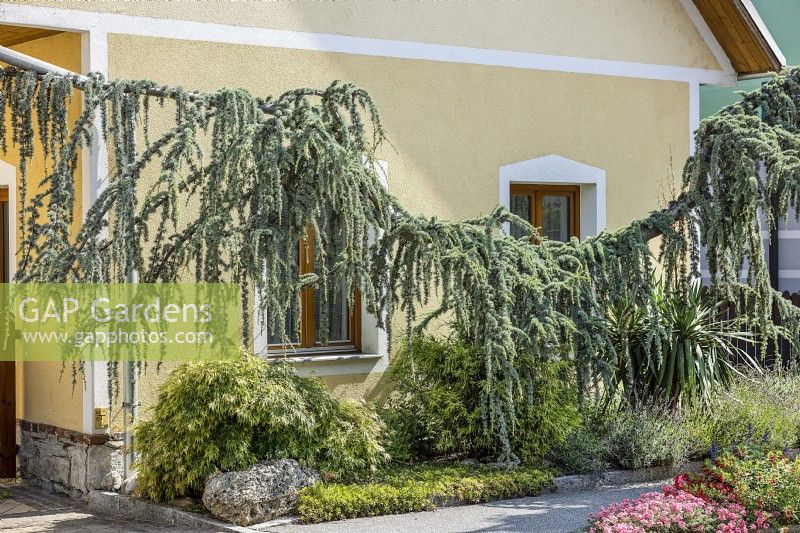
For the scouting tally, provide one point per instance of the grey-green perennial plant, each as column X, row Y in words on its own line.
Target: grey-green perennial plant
column 226, row 191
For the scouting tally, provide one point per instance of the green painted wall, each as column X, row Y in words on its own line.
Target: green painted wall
column 781, row 18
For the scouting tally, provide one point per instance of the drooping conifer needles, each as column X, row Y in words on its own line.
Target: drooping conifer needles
column 210, row 187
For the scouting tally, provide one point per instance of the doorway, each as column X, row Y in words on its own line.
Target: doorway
column 8, row 398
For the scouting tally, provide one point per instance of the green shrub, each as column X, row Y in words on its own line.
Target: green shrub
column 417, row 488
column 760, row 479
column 645, row 437
column 436, row 407
column 583, row 452
column 758, row 405
column 226, row 415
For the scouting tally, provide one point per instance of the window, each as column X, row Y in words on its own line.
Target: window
column 554, row 209
column 344, row 328
column 356, row 344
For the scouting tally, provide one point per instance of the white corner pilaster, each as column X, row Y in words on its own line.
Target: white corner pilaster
column 94, row 58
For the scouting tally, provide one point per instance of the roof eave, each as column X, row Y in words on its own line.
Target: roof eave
column 764, row 37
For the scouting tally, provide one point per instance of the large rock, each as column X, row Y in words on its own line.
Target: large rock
column 260, row 493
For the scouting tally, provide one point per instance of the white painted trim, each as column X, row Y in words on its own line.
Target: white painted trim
column 789, row 233
column 336, row 365
column 694, row 113
column 374, row 355
column 708, row 36
column 50, row 17
column 8, row 179
column 762, row 28
column 554, row 169
column 94, row 58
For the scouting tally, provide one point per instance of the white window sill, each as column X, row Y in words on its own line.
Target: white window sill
column 328, row 358
column 333, row 364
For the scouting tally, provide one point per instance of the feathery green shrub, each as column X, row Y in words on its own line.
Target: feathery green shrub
column 226, row 415
column 436, row 407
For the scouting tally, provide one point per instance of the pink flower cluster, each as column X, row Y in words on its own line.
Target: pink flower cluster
column 673, row 510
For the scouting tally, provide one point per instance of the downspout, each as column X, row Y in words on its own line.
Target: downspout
column 130, row 404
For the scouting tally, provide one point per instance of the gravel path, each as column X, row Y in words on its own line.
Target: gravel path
column 549, row 513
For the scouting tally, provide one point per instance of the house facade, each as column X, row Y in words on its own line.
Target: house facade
column 575, row 114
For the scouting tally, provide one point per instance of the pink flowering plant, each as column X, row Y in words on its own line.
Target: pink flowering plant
column 746, row 489
column 673, row 510
column 762, row 481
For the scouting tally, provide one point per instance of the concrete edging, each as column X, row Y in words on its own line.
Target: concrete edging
column 581, row 482
column 121, row 506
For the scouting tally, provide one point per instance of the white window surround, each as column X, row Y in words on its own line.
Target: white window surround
column 8, row 180
column 374, row 354
column 556, row 170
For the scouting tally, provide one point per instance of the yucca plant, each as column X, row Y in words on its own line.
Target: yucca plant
column 680, row 351
column 629, row 324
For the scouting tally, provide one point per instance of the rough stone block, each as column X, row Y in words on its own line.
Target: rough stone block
column 78, row 455
column 27, row 446
column 111, row 481
column 51, row 448
column 101, row 461
column 259, row 493
column 55, row 469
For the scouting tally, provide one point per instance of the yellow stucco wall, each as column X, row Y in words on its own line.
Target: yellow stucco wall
column 45, row 391
column 452, row 125
column 643, row 31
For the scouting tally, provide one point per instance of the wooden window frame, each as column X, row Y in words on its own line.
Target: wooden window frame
column 3, row 234
column 536, row 192
column 308, row 344
column 8, row 406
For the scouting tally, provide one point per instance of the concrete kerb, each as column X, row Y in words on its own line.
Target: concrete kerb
column 122, row 506
column 612, row 478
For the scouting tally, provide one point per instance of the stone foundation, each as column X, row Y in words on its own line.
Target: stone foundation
column 70, row 462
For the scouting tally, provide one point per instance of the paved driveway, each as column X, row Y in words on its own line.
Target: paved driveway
column 549, row 513
column 30, row 510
